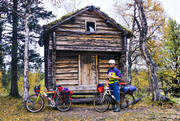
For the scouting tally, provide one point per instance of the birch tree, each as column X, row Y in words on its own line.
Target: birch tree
column 143, row 29
column 155, row 16
column 27, row 3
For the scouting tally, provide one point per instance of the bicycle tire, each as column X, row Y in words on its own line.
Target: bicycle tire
column 130, row 100
column 63, row 105
column 99, row 105
column 123, row 102
column 34, row 106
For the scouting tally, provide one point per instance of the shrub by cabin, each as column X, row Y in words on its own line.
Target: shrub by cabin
column 77, row 49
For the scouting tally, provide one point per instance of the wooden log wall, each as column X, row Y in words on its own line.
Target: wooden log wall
column 103, row 65
column 49, row 82
column 67, row 68
column 68, row 35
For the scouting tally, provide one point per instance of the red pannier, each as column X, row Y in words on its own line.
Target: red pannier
column 100, row 88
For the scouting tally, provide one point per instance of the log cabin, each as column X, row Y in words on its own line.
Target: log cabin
column 78, row 46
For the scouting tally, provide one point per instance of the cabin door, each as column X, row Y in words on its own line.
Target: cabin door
column 88, row 69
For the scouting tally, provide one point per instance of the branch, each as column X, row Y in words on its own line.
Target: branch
column 154, row 30
column 136, row 57
column 11, row 6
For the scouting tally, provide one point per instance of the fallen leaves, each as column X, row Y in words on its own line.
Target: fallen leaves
column 12, row 109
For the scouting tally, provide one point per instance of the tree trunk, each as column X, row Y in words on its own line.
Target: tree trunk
column 153, row 69
column 14, row 87
column 1, row 52
column 26, row 55
column 129, row 70
column 144, row 49
column 130, row 52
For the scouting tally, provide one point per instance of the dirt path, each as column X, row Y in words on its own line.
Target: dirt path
column 139, row 113
column 13, row 110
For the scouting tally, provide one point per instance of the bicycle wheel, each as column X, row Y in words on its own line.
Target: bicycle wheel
column 123, row 102
column 63, row 105
column 101, row 104
column 33, row 104
column 130, row 100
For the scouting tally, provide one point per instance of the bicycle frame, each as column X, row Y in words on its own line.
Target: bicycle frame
column 48, row 92
column 55, row 97
column 107, row 92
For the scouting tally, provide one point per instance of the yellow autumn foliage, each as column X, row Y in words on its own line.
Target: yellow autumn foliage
column 34, row 79
column 140, row 80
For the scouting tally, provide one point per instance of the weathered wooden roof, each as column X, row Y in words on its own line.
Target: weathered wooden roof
column 103, row 15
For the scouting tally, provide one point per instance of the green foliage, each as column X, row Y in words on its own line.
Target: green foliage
column 170, row 73
column 35, row 78
column 6, row 77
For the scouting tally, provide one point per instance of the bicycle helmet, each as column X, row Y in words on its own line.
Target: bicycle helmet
column 112, row 61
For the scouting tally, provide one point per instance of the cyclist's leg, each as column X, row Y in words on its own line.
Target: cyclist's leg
column 111, row 87
column 117, row 96
column 116, row 91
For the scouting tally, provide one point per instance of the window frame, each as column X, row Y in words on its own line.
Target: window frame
column 86, row 21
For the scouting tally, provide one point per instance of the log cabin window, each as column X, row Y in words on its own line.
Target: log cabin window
column 90, row 26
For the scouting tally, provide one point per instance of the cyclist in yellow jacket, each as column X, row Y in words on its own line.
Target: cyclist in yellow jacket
column 113, row 76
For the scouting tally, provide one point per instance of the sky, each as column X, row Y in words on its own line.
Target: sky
column 172, row 8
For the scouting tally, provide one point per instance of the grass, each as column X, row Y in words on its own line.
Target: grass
column 12, row 109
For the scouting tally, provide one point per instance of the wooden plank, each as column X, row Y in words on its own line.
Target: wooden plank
column 103, row 76
column 71, row 61
column 103, row 61
column 89, row 48
column 65, row 77
column 76, row 32
column 88, row 36
column 71, row 26
column 105, row 28
column 68, row 79
column 103, row 70
column 66, row 56
column 63, row 70
column 66, row 66
column 66, row 73
column 89, row 18
column 97, row 79
column 79, row 68
column 69, row 75
column 88, row 15
column 104, row 65
column 88, row 43
column 70, row 30
column 64, row 41
column 91, row 36
column 102, row 81
column 67, row 82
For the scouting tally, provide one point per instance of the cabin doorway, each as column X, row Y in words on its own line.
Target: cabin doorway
column 88, row 69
